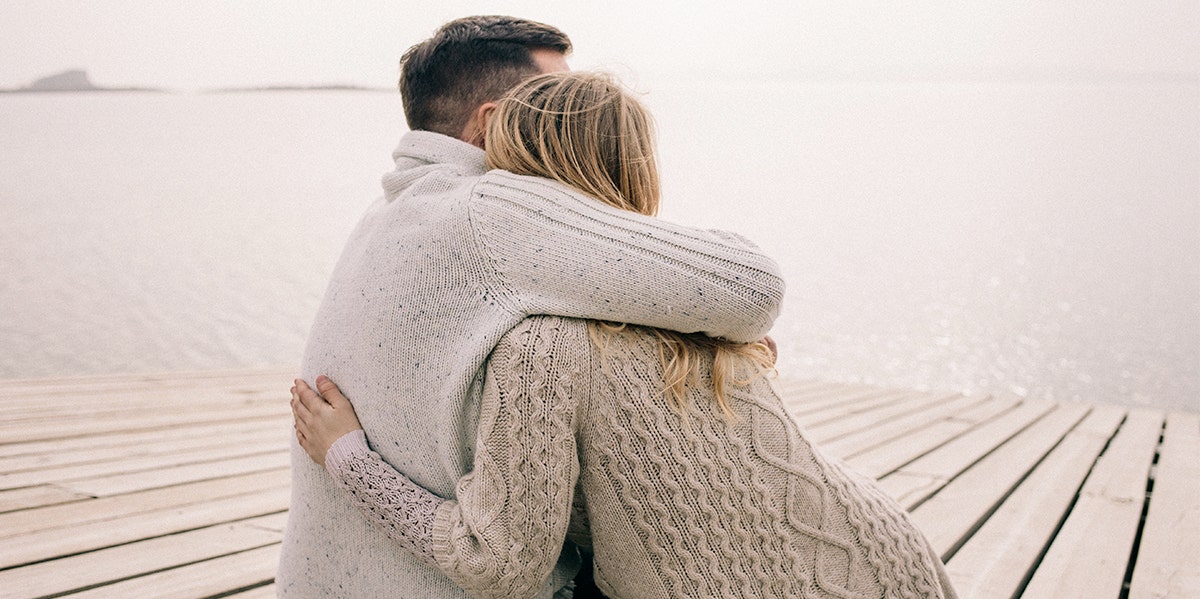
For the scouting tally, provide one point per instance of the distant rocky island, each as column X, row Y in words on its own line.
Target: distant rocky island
column 72, row 80
column 77, row 80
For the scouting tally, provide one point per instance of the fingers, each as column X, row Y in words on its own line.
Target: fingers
column 304, row 437
column 300, row 415
column 308, row 446
column 770, row 343
column 300, row 410
column 331, row 393
column 309, row 398
column 313, row 418
column 302, row 420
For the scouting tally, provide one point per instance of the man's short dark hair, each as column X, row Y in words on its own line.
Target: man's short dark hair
column 466, row 63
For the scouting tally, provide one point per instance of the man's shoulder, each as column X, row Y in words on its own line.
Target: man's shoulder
column 503, row 185
column 505, row 204
column 510, row 202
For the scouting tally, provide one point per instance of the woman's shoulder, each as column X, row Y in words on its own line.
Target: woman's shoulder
column 554, row 334
column 543, row 352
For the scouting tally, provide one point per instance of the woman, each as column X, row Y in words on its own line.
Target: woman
column 671, row 456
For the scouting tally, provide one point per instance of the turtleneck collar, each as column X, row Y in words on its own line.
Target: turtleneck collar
column 419, row 149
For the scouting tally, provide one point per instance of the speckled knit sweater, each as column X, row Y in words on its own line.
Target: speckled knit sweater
column 678, row 506
column 434, row 274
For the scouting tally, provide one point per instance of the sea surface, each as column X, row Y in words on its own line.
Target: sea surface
column 1031, row 238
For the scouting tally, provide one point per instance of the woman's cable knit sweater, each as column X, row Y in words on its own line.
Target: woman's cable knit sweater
column 433, row 275
column 678, row 505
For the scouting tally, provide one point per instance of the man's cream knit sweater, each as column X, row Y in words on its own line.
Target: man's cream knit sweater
column 678, row 505
column 435, row 273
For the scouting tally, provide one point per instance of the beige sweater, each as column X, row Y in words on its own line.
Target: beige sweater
column 677, row 506
column 434, row 274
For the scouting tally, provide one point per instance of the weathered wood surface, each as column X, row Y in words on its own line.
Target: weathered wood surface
column 177, row 485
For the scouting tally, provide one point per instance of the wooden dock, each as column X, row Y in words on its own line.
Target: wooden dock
column 177, row 486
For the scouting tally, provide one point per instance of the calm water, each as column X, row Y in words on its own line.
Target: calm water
column 1040, row 239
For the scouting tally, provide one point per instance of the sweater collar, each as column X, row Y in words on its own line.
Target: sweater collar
column 419, row 149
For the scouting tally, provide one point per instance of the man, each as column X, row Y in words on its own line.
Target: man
column 448, row 261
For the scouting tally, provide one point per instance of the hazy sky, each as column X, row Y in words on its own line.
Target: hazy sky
column 188, row 44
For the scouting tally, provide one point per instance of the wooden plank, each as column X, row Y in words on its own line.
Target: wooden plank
column 134, row 559
column 117, row 484
column 273, row 522
column 903, row 427
column 18, row 432
column 918, row 480
column 106, row 508
column 93, row 401
column 245, row 435
column 16, row 390
column 960, row 454
column 1168, row 562
column 213, row 577
column 262, row 592
column 909, row 490
column 887, row 457
column 790, row 387
column 19, row 499
column 1090, row 554
column 146, row 403
column 127, row 439
column 951, row 514
column 130, row 465
column 994, row 563
column 49, row 544
column 858, row 419
column 841, row 408
column 807, row 407
column 893, row 454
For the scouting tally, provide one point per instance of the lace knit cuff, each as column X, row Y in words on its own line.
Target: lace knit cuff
column 398, row 507
column 346, row 446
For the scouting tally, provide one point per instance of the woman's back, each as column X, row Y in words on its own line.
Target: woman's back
column 696, row 504
column 675, row 503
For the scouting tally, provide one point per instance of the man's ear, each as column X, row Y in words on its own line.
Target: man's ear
column 475, row 131
column 487, row 110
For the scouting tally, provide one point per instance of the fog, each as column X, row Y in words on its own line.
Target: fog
column 194, row 45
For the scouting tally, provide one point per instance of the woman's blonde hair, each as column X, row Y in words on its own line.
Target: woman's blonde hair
column 584, row 130
column 581, row 129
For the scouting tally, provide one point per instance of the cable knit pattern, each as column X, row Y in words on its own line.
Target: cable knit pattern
column 513, row 511
column 691, row 505
column 433, row 275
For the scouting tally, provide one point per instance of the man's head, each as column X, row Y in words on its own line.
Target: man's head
column 472, row 61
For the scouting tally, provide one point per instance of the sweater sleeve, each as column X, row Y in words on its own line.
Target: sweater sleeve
column 558, row 252
column 503, row 535
column 398, row 506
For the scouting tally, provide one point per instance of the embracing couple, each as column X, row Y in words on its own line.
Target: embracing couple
column 517, row 369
